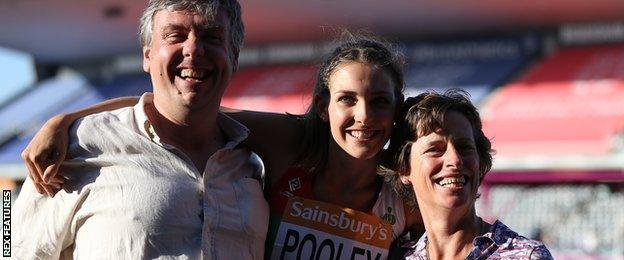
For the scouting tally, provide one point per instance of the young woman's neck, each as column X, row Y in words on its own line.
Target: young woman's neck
column 348, row 181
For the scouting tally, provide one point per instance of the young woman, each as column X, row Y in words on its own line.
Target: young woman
column 333, row 151
column 442, row 159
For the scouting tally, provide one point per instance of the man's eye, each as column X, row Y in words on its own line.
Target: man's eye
column 174, row 37
column 213, row 38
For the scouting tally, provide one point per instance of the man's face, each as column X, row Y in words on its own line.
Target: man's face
column 190, row 59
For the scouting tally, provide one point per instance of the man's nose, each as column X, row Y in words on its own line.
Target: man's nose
column 193, row 47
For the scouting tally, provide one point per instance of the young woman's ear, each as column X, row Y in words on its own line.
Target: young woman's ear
column 321, row 103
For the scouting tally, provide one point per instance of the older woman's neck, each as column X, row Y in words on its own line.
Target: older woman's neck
column 450, row 233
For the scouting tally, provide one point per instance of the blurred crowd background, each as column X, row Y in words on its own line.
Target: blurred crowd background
column 547, row 76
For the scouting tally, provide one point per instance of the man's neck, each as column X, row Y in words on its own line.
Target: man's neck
column 196, row 134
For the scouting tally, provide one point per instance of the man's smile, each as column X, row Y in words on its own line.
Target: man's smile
column 192, row 74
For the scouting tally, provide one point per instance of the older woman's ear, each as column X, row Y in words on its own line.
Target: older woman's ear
column 403, row 163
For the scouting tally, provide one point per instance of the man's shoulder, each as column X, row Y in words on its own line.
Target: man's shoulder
column 103, row 129
column 104, row 120
column 106, row 117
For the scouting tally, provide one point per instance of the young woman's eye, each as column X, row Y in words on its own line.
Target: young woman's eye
column 381, row 101
column 347, row 100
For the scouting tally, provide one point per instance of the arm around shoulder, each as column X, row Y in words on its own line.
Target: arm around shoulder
column 47, row 149
column 275, row 137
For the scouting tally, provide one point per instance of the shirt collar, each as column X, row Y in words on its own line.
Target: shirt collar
column 498, row 234
column 234, row 131
column 142, row 122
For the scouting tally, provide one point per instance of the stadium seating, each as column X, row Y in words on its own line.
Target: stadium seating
column 572, row 103
column 35, row 106
column 477, row 66
column 277, row 88
column 580, row 219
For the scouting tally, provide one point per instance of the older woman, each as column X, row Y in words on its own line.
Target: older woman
column 443, row 156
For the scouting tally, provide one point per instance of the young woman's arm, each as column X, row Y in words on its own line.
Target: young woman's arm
column 276, row 138
column 47, row 149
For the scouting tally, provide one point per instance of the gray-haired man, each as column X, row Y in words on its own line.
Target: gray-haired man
column 167, row 177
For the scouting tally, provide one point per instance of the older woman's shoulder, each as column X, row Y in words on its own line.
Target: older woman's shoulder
column 510, row 245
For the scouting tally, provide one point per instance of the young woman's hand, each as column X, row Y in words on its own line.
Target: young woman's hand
column 44, row 154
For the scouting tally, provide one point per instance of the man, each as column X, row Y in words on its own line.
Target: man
column 167, row 177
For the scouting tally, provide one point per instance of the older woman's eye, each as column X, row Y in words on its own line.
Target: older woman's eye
column 434, row 150
column 467, row 148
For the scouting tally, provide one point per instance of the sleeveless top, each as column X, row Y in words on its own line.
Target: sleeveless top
column 297, row 181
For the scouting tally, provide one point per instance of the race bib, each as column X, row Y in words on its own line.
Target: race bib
column 316, row 230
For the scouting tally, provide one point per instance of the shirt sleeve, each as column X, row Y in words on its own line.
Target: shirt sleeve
column 540, row 253
column 43, row 226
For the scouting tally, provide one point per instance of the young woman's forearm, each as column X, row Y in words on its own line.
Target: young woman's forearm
column 107, row 105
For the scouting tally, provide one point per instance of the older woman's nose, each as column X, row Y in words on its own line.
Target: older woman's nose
column 452, row 157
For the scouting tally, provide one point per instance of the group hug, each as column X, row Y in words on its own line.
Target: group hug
column 365, row 173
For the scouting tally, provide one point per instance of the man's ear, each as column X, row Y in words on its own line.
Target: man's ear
column 321, row 103
column 146, row 59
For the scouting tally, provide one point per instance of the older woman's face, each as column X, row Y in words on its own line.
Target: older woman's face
column 444, row 165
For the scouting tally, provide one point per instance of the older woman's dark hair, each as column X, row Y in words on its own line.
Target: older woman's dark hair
column 359, row 47
column 424, row 114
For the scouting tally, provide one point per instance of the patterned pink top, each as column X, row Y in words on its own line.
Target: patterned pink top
column 499, row 243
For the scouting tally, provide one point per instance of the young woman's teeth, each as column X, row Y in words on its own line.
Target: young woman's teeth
column 362, row 134
column 191, row 73
column 453, row 182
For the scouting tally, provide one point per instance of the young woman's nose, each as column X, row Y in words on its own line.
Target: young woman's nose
column 363, row 113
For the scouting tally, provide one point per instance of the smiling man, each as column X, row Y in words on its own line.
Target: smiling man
column 166, row 178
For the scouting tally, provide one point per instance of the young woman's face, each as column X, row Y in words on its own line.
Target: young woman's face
column 444, row 165
column 361, row 108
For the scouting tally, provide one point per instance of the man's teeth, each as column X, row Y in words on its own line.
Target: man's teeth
column 192, row 73
column 453, row 182
column 362, row 134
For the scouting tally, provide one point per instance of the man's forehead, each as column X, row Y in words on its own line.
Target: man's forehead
column 189, row 18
